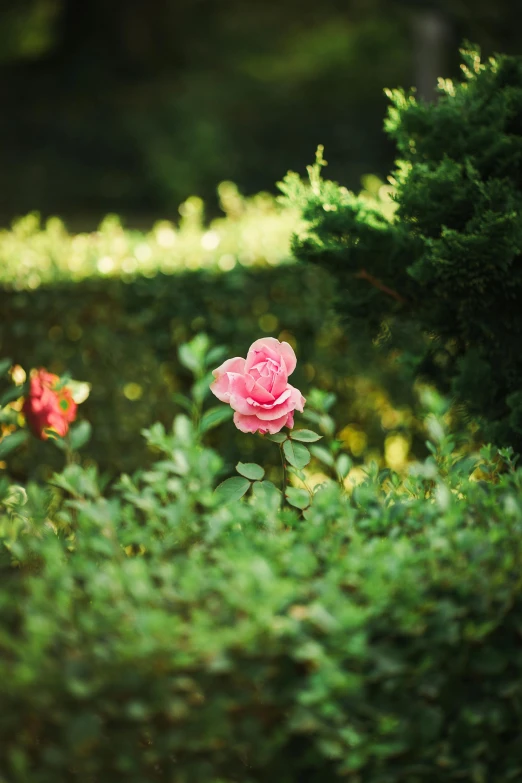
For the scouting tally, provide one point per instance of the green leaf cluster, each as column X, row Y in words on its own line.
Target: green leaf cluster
column 148, row 631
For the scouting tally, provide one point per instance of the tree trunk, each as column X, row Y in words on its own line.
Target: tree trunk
column 431, row 35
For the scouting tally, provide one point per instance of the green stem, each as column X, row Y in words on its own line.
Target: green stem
column 69, row 455
column 283, row 463
column 197, row 404
column 310, row 492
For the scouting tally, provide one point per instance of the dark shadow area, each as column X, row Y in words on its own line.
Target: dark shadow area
column 131, row 106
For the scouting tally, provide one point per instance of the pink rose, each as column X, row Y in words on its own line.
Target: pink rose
column 257, row 387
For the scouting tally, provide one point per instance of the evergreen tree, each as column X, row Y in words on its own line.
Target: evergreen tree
column 448, row 259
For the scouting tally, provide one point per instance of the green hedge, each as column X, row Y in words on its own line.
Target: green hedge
column 123, row 336
column 154, row 635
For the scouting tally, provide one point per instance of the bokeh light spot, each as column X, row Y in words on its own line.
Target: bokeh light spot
column 132, row 391
column 268, row 322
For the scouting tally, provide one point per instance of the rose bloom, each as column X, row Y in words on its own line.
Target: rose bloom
column 257, row 387
column 47, row 406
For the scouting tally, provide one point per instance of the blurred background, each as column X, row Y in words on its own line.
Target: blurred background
column 135, row 107
column 130, row 106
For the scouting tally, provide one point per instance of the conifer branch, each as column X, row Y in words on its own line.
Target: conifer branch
column 362, row 274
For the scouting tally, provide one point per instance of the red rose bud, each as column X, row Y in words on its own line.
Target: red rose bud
column 47, row 406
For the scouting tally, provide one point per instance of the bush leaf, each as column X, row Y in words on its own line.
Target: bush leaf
column 296, row 454
column 188, row 358
column 323, row 455
column 201, row 388
column 11, row 394
column 10, row 442
column 298, row 497
column 214, row 417
column 278, row 437
column 215, row 354
column 305, row 436
column 251, row 470
column 79, row 435
column 343, row 465
column 232, row 489
column 266, row 491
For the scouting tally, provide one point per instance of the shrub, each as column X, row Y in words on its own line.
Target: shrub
column 152, row 633
column 448, row 259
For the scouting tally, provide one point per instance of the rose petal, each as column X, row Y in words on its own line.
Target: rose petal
column 280, row 381
column 239, row 391
column 270, row 405
column 288, row 354
column 270, row 348
column 261, row 350
column 294, row 401
column 300, row 401
column 254, row 424
column 267, row 367
column 57, row 423
column 40, row 399
column 260, row 395
column 266, row 381
column 221, row 386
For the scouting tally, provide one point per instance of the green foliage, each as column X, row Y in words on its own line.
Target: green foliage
column 447, row 261
column 149, row 632
column 10, row 436
column 114, row 308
